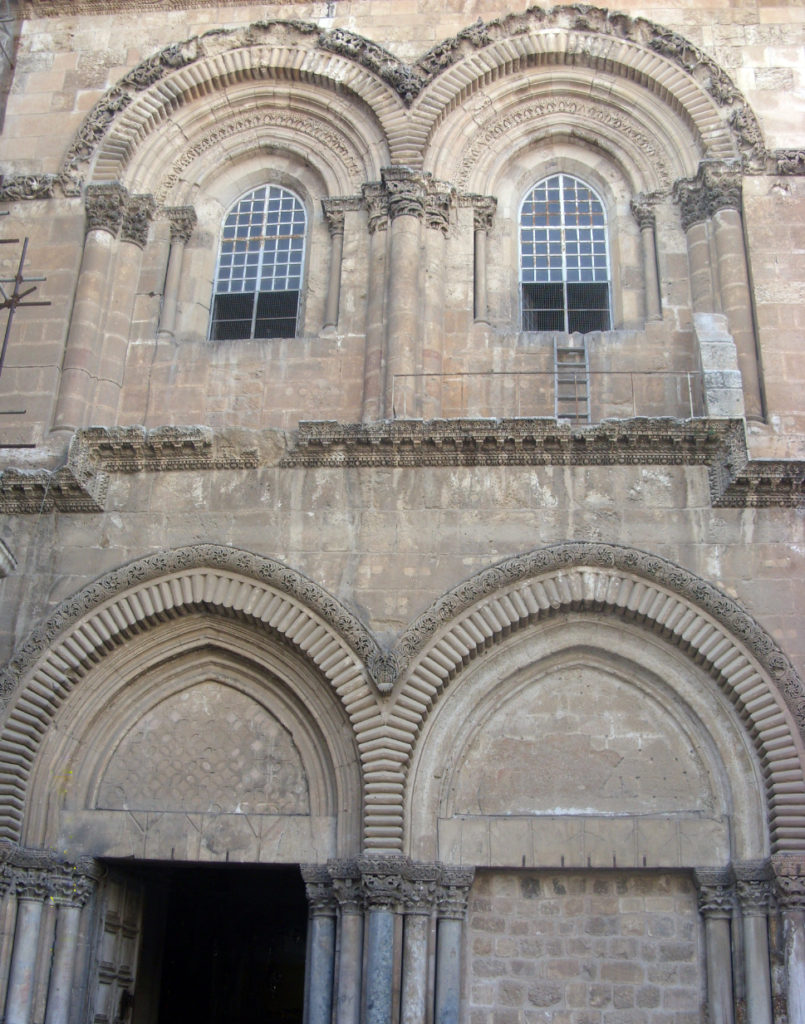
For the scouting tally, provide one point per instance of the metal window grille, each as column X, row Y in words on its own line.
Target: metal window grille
column 564, row 260
column 260, row 260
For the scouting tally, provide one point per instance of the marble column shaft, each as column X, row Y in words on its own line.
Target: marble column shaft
column 320, row 966
column 754, row 891
column 454, row 886
column 182, row 221
column 347, row 888
column 334, row 214
column 19, row 998
column 715, row 906
column 789, row 883
column 419, row 889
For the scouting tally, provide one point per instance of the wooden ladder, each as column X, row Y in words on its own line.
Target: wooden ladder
column 572, row 379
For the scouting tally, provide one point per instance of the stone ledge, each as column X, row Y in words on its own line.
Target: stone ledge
column 80, row 484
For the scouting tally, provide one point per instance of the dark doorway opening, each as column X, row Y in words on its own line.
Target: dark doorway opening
column 222, row 945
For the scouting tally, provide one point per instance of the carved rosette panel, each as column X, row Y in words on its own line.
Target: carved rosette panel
column 106, row 207
column 453, row 892
column 137, row 219
column 716, row 893
column 382, row 881
column 319, row 889
column 183, row 220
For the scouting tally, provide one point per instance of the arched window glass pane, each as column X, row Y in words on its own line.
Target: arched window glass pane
column 564, row 261
column 260, row 261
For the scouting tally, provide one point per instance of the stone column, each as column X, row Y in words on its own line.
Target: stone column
column 419, row 899
column 454, row 887
column 349, row 895
column 428, row 401
column 789, row 885
column 114, row 344
column 31, row 889
column 320, row 965
column 70, row 888
column 483, row 212
column 643, row 212
column 724, row 192
column 8, row 914
column 694, row 208
column 382, row 881
column 335, row 215
column 407, row 193
column 105, row 206
column 182, row 224
column 754, row 890
column 715, row 906
column 376, row 201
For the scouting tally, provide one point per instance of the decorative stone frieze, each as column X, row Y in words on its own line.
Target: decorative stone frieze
column 453, row 891
column 137, row 219
column 16, row 187
column 319, row 889
column 183, row 220
column 716, row 892
column 789, row 161
column 106, row 207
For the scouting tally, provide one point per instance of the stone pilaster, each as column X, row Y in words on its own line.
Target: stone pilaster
column 182, row 221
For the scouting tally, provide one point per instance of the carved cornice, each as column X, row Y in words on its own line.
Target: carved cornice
column 183, row 220
column 106, row 207
column 453, row 891
column 407, row 80
column 319, row 889
column 137, row 219
column 716, row 893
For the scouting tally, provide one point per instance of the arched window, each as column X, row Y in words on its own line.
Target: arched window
column 564, row 262
column 259, row 273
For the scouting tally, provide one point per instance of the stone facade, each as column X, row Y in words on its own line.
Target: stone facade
column 478, row 644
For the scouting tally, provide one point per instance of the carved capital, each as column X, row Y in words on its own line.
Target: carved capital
column 70, row 886
column 691, row 196
column 382, row 881
column 377, row 206
column 407, row 192
column 453, row 890
column 319, row 890
column 419, row 888
column 183, row 222
column 437, row 211
column 106, row 206
column 483, row 212
column 789, row 880
column 642, row 207
column 137, row 219
column 346, row 877
column 723, row 183
column 716, row 892
column 335, row 210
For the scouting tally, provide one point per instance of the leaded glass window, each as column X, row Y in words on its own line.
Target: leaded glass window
column 564, row 261
column 259, row 273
